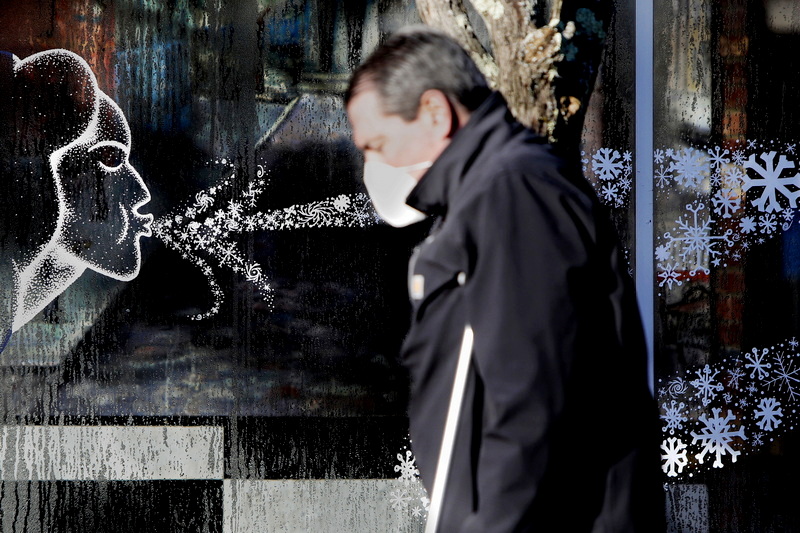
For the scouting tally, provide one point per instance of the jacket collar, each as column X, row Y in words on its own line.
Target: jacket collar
column 488, row 127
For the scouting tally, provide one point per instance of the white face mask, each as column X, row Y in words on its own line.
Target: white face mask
column 388, row 187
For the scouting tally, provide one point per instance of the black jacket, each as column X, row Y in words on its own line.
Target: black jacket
column 559, row 431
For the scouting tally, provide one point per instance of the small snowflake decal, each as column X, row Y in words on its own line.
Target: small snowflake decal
column 689, row 167
column 757, row 363
column 726, row 202
column 706, row 387
column 607, row 163
column 407, row 468
column 768, row 414
column 674, row 416
column 674, row 456
column 399, row 499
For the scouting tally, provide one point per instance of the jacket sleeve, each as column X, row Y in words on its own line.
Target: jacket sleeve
column 529, row 251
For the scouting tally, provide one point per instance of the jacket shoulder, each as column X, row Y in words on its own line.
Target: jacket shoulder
column 531, row 166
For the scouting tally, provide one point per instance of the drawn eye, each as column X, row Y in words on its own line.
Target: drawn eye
column 110, row 158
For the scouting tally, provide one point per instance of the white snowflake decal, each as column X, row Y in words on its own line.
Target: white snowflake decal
column 772, row 182
column 695, row 239
column 662, row 253
column 613, row 170
column 662, row 177
column 726, row 202
column 674, row 456
column 717, row 436
column 768, row 223
column 674, row 416
column 733, row 177
column 669, row 276
column 760, row 368
column 747, row 225
column 785, row 376
column 607, row 163
column 706, row 388
column 733, row 379
column 407, row 468
column 718, row 157
column 399, row 499
column 610, row 192
column 768, row 414
column 689, row 167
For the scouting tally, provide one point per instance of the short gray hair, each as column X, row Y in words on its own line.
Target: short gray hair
column 414, row 60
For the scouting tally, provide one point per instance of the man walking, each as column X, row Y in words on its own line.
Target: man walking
column 558, row 429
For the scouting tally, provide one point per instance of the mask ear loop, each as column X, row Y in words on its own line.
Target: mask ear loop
column 416, row 166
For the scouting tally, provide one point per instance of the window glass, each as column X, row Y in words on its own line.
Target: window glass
column 725, row 249
column 205, row 311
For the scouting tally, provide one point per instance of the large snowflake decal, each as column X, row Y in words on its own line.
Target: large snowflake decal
column 769, row 178
column 717, row 436
column 674, row 456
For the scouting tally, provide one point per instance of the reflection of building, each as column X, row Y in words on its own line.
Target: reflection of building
column 86, row 28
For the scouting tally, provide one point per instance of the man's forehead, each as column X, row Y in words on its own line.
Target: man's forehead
column 367, row 118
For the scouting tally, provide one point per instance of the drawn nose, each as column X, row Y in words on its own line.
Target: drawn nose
column 141, row 194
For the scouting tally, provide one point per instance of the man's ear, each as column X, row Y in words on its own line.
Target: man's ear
column 439, row 113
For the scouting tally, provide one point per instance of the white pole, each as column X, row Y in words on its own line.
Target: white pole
column 645, row 267
column 450, row 427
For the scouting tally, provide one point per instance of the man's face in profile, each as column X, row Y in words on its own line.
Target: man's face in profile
column 389, row 138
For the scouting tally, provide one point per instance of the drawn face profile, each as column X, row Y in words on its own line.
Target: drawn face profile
column 102, row 193
column 70, row 196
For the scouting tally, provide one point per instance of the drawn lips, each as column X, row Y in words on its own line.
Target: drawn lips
column 142, row 223
column 146, row 222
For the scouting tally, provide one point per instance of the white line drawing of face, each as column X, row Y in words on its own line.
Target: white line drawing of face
column 102, row 194
column 69, row 172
